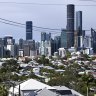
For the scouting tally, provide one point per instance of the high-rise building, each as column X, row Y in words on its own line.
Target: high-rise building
column 8, row 40
column 57, row 43
column 37, row 46
column 16, row 50
column 79, row 27
column 45, row 48
column 48, row 37
column 21, row 41
column 52, row 47
column 93, row 40
column 29, row 30
column 1, row 42
column 79, row 22
column 43, row 36
column 26, row 50
column 63, row 39
column 31, row 44
column 70, row 25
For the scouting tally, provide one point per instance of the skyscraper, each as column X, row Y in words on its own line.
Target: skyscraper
column 63, row 39
column 93, row 40
column 8, row 40
column 79, row 27
column 48, row 37
column 43, row 36
column 29, row 30
column 79, row 22
column 21, row 43
column 57, row 43
column 70, row 25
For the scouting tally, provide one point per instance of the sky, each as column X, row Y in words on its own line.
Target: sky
column 51, row 16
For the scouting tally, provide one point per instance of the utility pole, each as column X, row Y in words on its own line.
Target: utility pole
column 19, row 90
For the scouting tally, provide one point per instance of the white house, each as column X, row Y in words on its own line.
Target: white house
column 29, row 88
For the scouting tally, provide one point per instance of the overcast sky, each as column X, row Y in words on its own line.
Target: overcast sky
column 52, row 16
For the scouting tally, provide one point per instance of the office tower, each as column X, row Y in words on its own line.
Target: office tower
column 87, row 41
column 1, row 42
column 21, row 42
column 37, row 46
column 42, row 48
column 8, row 40
column 16, row 50
column 31, row 44
column 70, row 25
column 43, row 36
column 93, row 40
column 63, row 39
column 11, row 48
column 52, row 47
column 48, row 37
column 29, row 30
column 48, row 48
column 79, row 22
column 26, row 50
column 1, row 47
column 45, row 48
column 79, row 27
column 57, row 43
column 1, row 51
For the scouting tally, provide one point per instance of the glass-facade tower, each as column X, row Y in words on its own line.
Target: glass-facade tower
column 63, row 39
column 29, row 30
column 79, row 26
column 57, row 43
column 70, row 25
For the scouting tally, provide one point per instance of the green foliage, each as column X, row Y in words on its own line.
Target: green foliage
column 68, row 54
column 43, row 60
column 61, row 67
column 3, row 91
column 14, row 77
column 6, row 69
column 22, row 78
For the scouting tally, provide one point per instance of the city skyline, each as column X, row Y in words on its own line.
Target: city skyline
column 51, row 16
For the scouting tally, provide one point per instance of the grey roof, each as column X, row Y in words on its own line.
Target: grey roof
column 74, row 93
column 61, row 88
column 46, row 92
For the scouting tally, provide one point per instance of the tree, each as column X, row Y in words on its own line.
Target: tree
column 3, row 90
column 68, row 54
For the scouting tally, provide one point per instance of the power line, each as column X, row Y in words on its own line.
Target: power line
column 36, row 4
column 41, row 28
column 11, row 21
column 29, row 3
column 53, row 32
column 12, row 24
column 32, row 26
column 47, row 28
column 89, row 0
